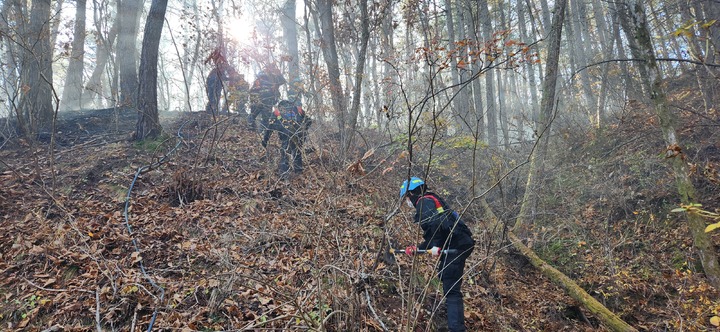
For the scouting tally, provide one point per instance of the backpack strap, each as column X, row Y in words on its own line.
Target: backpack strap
column 438, row 205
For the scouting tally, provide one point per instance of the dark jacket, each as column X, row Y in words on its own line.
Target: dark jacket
column 441, row 225
column 266, row 88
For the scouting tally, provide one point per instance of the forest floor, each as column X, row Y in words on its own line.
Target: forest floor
column 200, row 234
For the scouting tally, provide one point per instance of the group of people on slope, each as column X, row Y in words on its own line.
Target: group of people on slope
column 445, row 235
column 286, row 117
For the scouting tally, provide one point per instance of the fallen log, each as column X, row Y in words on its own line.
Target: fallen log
column 606, row 317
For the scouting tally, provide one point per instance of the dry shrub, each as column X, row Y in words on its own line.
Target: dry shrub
column 184, row 188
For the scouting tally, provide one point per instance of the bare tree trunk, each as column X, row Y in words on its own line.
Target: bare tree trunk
column 502, row 83
column 35, row 108
column 55, row 23
column 547, row 109
column 329, row 50
column 148, row 125
column 529, row 67
column 387, row 56
column 621, row 54
column 711, row 12
column 359, row 73
column 580, row 49
column 452, row 38
column 606, row 50
column 653, row 82
column 72, row 92
column 607, row 317
column 94, row 96
column 702, row 74
column 128, row 14
column 486, row 30
column 289, row 27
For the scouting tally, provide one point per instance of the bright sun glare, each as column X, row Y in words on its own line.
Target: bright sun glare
column 241, row 30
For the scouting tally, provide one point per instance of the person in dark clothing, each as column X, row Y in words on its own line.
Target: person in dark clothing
column 224, row 77
column 214, row 87
column 237, row 91
column 291, row 123
column 442, row 229
column 264, row 94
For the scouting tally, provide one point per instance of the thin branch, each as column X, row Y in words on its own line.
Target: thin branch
column 372, row 310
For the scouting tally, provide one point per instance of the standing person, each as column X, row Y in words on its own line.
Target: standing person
column 214, row 86
column 237, row 89
column 264, row 94
column 442, row 229
column 292, row 124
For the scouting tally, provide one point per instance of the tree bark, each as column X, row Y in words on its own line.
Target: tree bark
column 148, row 125
column 329, row 50
column 289, row 27
column 94, row 94
column 359, row 74
column 529, row 67
column 72, row 92
column 606, row 317
column 486, row 32
column 36, row 110
column 128, row 13
column 653, row 82
column 547, row 108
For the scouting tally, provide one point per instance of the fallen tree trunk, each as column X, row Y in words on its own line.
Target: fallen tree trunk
column 606, row 317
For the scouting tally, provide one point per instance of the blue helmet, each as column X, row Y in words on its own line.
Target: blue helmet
column 414, row 183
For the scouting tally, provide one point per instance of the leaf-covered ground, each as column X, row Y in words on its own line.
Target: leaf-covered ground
column 212, row 239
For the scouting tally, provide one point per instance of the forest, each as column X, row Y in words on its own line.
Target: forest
column 245, row 165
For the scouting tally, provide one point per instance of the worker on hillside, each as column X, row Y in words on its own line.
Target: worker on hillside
column 291, row 123
column 237, row 91
column 264, row 94
column 214, row 83
column 442, row 229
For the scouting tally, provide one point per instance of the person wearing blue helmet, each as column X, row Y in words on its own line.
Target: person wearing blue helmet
column 442, row 229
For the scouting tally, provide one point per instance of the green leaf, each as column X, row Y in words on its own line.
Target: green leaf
column 679, row 210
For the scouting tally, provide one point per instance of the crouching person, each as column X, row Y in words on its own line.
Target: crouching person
column 442, row 229
column 292, row 124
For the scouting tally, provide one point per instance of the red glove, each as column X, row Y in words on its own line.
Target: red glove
column 435, row 251
column 410, row 250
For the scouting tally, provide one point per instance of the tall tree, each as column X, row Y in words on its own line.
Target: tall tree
column 129, row 14
column 104, row 41
column 525, row 37
column 696, row 52
column 148, row 125
column 36, row 75
column 606, row 50
column 387, row 57
column 652, row 79
column 547, row 109
column 330, row 54
column 359, row 73
column 72, row 92
column 487, row 34
column 710, row 11
column 289, row 27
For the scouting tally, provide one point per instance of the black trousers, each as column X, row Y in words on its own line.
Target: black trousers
column 290, row 154
column 213, row 89
column 451, row 269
